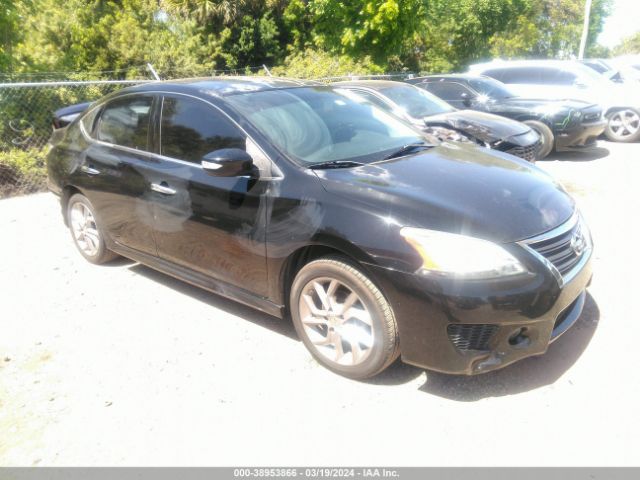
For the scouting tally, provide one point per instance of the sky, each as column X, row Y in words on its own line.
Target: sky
column 622, row 22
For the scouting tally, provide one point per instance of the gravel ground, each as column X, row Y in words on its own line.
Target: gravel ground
column 121, row 365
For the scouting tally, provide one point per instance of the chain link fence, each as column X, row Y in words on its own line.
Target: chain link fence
column 26, row 115
column 28, row 103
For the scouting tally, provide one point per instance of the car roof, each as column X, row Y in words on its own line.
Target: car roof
column 221, row 86
column 561, row 64
column 453, row 76
column 371, row 84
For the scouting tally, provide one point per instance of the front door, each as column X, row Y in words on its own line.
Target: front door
column 213, row 225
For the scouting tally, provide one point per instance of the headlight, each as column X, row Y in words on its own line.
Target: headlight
column 460, row 255
column 446, row 134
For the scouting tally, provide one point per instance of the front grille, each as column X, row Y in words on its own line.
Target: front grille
column 565, row 250
column 528, row 153
column 471, row 337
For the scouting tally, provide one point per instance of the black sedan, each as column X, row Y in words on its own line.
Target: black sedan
column 301, row 202
column 562, row 124
column 438, row 118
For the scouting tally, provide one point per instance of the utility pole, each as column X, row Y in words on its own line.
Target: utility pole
column 585, row 29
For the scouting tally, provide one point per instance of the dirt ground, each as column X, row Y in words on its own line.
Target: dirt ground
column 121, row 365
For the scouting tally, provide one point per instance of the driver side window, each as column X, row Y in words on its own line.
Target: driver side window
column 190, row 129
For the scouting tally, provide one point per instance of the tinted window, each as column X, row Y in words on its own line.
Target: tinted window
column 497, row 73
column 519, row 75
column 491, row 88
column 125, row 121
column 555, row 76
column 448, row 91
column 190, row 129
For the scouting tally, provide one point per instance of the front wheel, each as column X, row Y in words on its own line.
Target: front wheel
column 343, row 319
column 547, row 139
column 623, row 126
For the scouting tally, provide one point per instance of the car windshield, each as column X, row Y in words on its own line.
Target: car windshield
column 491, row 88
column 314, row 125
column 416, row 102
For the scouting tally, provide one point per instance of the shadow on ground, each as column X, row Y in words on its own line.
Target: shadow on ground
column 525, row 375
column 216, row 301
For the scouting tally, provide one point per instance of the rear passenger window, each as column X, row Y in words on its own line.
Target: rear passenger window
column 125, row 122
column 190, row 129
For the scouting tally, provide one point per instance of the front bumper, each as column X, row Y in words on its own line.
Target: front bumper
column 580, row 137
column 518, row 318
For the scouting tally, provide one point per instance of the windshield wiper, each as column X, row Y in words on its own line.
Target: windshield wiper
column 335, row 164
column 406, row 149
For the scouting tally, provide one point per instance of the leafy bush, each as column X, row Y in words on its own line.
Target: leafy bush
column 22, row 171
column 318, row 64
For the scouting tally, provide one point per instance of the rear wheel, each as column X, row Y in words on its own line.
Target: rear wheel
column 547, row 139
column 343, row 319
column 623, row 126
column 86, row 232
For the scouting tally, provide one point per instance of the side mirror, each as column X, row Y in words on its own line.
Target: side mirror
column 467, row 99
column 227, row 162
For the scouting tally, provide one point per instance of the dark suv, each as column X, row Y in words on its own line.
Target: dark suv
column 300, row 201
column 562, row 124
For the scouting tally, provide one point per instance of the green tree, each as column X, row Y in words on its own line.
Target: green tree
column 550, row 29
column 629, row 45
column 376, row 28
column 313, row 63
column 102, row 35
column 9, row 34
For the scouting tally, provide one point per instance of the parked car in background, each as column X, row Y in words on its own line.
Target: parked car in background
column 440, row 119
column 572, row 80
column 561, row 124
column 603, row 68
column 298, row 200
column 628, row 67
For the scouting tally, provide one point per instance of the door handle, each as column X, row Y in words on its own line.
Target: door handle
column 89, row 170
column 162, row 188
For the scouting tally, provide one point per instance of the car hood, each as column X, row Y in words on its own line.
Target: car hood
column 457, row 188
column 483, row 126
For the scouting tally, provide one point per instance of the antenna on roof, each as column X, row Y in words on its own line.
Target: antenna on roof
column 266, row 70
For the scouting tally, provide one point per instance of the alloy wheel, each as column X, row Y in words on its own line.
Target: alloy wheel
column 336, row 321
column 624, row 123
column 85, row 230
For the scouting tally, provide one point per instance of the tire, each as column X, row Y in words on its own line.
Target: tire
column 623, row 126
column 367, row 335
column 547, row 138
column 85, row 231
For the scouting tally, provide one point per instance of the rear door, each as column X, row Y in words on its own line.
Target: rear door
column 115, row 168
column 213, row 225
